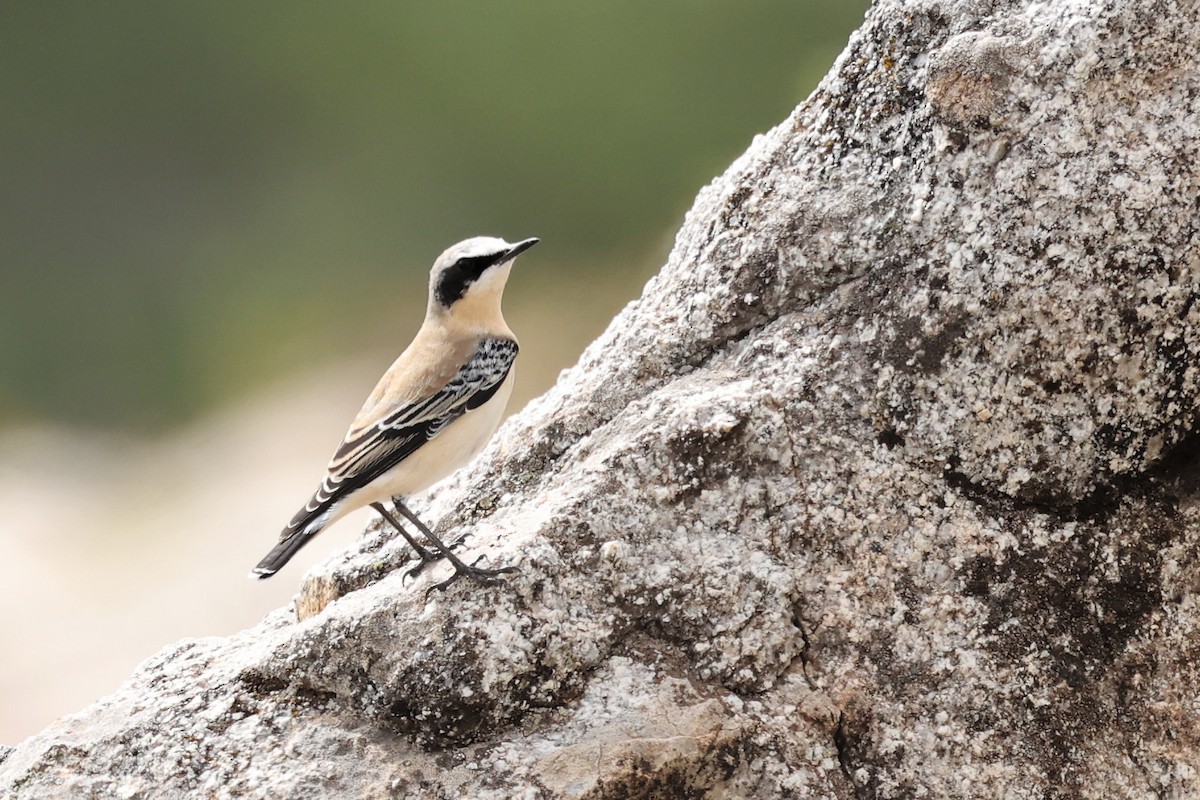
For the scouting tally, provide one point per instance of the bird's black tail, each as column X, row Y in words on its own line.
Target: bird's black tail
column 282, row 553
column 308, row 522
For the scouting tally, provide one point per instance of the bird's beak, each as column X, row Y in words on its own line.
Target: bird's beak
column 518, row 248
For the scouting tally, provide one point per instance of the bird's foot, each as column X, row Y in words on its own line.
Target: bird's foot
column 425, row 558
column 487, row 577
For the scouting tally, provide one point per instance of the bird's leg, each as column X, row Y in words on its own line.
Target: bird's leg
column 398, row 502
column 423, row 555
column 427, row 558
column 461, row 568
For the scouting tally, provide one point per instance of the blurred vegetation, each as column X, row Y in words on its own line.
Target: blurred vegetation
column 198, row 196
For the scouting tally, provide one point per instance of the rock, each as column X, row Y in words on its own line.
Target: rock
column 888, row 486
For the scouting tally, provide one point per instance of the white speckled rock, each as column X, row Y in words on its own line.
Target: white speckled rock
column 887, row 487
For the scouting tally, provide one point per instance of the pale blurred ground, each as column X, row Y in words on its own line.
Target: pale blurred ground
column 114, row 547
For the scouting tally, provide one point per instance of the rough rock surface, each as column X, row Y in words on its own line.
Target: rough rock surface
column 887, row 487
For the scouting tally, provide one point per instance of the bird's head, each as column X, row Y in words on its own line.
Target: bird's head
column 473, row 272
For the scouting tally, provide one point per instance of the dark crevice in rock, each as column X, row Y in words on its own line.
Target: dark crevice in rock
column 1072, row 607
column 687, row 779
column 806, row 648
column 890, row 438
column 1094, row 505
column 260, row 683
column 454, row 724
column 1179, row 469
column 847, row 751
column 991, row 499
column 912, row 351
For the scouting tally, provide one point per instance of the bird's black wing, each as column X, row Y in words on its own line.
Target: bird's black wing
column 372, row 451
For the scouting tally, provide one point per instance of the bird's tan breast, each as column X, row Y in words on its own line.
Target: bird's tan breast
column 435, row 356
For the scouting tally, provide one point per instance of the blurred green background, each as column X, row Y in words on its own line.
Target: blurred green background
column 197, row 197
column 216, row 222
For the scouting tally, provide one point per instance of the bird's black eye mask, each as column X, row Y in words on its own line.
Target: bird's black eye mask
column 453, row 282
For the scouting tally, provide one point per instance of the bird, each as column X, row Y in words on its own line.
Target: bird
column 433, row 410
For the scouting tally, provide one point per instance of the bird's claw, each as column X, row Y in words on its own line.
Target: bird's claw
column 423, row 561
column 425, row 558
column 487, row 577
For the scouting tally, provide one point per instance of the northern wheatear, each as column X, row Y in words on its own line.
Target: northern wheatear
column 433, row 410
